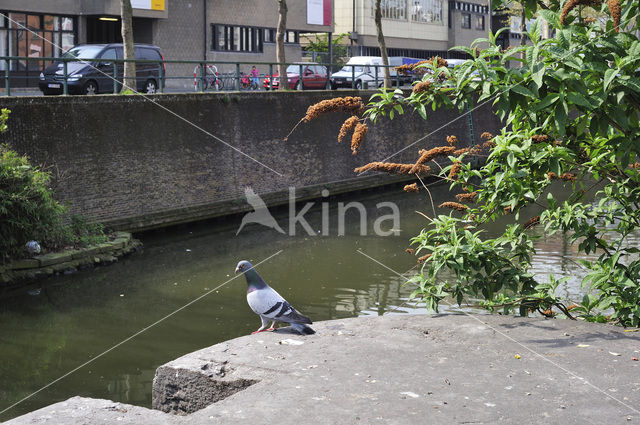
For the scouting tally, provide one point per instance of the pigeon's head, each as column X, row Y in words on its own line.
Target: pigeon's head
column 243, row 266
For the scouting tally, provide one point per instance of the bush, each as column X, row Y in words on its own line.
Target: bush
column 28, row 210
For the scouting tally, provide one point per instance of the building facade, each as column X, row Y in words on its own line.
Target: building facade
column 468, row 21
column 36, row 28
column 232, row 30
column 414, row 28
column 212, row 30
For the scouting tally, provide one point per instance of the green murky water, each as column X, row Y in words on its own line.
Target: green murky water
column 53, row 327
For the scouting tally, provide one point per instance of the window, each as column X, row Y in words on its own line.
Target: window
column 147, row 53
column 269, row 35
column 428, row 11
column 480, row 22
column 237, row 39
column 292, row 37
column 466, row 20
column 110, row 54
column 35, row 36
column 391, row 9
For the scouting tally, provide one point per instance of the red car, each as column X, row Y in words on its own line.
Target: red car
column 314, row 77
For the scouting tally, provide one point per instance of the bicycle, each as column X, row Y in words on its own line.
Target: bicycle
column 210, row 79
column 248, row 82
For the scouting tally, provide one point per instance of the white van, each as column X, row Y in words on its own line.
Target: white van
column 364, row 68
column 360, row 68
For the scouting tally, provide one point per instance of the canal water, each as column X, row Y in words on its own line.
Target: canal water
column 52, row 327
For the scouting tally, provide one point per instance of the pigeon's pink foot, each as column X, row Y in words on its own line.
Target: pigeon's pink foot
column 270, row 329
column 258, row 331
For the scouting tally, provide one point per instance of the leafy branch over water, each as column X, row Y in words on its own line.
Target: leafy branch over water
column 571, row 114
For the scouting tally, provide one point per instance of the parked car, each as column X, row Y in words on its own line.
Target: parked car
column 95, row 73
column 314, row 76
column 363, row 68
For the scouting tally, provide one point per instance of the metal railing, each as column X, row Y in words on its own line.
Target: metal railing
column 205, row 75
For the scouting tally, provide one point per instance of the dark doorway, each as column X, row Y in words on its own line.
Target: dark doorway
column 108, row 31
column 102, row 31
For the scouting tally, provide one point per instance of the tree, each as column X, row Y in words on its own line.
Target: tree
column 383, row 46
column 280, row 55
column 129, row 77
column 320, row 44
column 572, row 117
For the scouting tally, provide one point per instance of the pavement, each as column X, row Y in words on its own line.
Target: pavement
column 399, row 369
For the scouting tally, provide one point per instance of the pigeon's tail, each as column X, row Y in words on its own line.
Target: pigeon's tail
column 303, row 329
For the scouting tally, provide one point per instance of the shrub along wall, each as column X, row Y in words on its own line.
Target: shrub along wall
column 138, row 163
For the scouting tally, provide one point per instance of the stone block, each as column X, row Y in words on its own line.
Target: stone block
column 77, row 254
column 26, row 263
column 53, row 258
column 123, row 235
column 90, row 251
column 104, row 247
column 118, row 244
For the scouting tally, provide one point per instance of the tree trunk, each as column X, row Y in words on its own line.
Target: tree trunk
column 129, row 77
column 382, row 45
column 280, row 56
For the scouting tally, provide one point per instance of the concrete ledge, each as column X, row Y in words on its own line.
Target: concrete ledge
column 403, row 369
column 83, row 410
column 69, row 260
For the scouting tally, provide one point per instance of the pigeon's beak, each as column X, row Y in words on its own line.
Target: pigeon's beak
column 237, row 270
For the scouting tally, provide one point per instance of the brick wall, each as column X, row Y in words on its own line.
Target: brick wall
column 139, row 164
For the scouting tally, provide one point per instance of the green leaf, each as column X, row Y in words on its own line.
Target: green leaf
column 632, row 84
column 550, row 16
column 520, row 89
column 529, row 55
column 546, row 102
column 422, row 110
column 609, row 75
column 561, row 118
column 564, row 35
column 578, row 99
column 537, row 73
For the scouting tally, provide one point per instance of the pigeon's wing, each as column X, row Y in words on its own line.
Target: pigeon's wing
column 268, row 303
column 262, row 300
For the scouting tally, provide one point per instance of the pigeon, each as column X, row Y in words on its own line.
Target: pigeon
column 270, row 305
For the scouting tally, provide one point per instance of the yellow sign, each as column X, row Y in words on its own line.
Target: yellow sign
column 157, row 4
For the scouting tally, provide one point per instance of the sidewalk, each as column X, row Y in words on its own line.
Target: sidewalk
column 402, row 369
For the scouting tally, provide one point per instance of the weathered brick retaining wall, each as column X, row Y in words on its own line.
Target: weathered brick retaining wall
column 138, row 164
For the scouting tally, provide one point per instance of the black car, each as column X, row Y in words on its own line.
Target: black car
column 94, row 74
